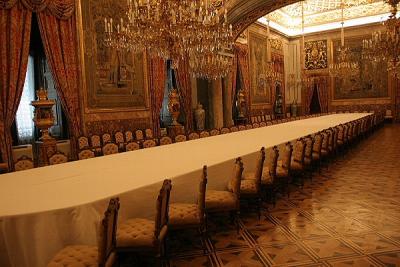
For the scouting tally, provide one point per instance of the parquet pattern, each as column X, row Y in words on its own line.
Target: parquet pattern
column 349, row 215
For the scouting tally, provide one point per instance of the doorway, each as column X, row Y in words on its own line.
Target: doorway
column 315, row 106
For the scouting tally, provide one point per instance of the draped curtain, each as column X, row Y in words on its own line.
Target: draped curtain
column 309, row 94
column 322, row 89
column 58, row 31
column 15, row 29
column 185, row 87
column 242, row 52
column 60, row 45
column 157, row 85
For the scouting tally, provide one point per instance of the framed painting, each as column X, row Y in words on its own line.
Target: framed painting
column 113, row 79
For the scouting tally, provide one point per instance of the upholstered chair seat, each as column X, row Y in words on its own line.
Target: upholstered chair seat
column 296, row 166
column 267, row 178
column 166, row 140
column 282, row 172
column 248, row 184
column 217, row 200
column 23, row 163
column 136, row 233
column 190, row 215
column 85, row 256
column 132, row 146
column 86, row 154
column 184, row 214
column 58, row 158
column 227, row 200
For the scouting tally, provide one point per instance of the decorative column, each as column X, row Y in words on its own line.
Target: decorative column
column 227, row 102
column 217, row 103
column 44, row 119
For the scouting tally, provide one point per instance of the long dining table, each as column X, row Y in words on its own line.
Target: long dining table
column 44, row 209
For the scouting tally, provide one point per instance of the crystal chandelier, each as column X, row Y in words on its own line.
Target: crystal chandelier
column 169, row 28
column 385, row 46
column 210, row 66
column 345, row 67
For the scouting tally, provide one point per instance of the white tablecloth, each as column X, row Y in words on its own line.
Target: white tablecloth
column 44, row 209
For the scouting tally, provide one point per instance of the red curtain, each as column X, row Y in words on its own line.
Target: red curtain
column 322, row 87
column 242, row 52
column 60, row 44
column 185, row 87
column 15, row 30
column 157, row 85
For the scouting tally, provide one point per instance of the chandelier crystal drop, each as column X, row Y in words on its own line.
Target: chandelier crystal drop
column 170, row 29
column 385, row 45
column 210, row 66
column 345, row 67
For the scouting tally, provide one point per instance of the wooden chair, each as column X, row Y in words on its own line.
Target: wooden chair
column 214, row 132
column 128, row 136
column 139, row 135
column 190, row 216
column 256, row 125
column 283, row 168
column 103, row 255
column 166, row 140
column 225, row 130
column 250, row 187
column 119, row 140
column 149, row 143
column 219, row 201
column 242, row 128
column 23, row 163
column 249, row 126
column 204, row 134
column 268, row 178
column 106, row 138
column 58, row 158
column 96, row 144
column 316, row 152
column 234, row 129
column 86, row 154
column 144, row 236
column 149, row 133
column 308, row 154
column 83, row 143
column 180, row 138
column 109, row 149
column 297, row 161
column 263, row 124
column 193, row 136
column 132, row 146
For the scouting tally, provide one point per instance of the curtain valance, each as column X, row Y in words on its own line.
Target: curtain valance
column 62, row 9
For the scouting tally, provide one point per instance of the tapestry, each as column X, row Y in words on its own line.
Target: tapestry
column 114, row 78
column 371, row 82
column 260, row 87
column 316, row 55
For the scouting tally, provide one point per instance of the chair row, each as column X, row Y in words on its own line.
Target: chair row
column 26, row 163
column 283, row 168
column 106, row 145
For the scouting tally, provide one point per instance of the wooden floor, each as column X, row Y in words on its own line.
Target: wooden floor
column 347, row 216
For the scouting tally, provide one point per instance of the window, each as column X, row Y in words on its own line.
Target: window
column 24, row 118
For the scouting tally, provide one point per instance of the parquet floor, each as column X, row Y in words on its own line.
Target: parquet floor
column 347, row 216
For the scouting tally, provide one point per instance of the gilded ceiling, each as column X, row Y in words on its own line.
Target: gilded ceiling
column 320, row 15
